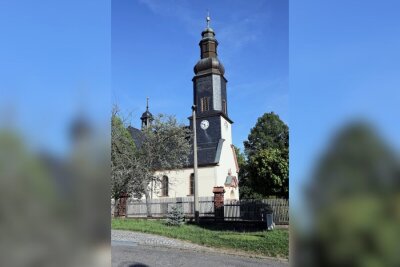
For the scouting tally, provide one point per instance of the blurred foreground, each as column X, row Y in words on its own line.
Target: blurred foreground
column 53, row 206
column 353, row 204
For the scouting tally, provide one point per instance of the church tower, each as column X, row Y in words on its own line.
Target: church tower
column 146, row 117
column 210, row 97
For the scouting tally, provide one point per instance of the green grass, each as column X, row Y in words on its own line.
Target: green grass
column 267, row 243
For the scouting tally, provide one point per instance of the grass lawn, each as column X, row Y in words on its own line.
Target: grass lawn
column 267, row 243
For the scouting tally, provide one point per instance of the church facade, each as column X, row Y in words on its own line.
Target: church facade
column 217, row 163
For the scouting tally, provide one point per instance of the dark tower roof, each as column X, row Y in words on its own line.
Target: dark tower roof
column 147, row 117
column 147, row 114
column 209, row 57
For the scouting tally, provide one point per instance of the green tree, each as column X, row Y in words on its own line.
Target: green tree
column 267, row 167
column 269, row 172
column 353, row 199
column 166, row 146
column 246, row 191
column 122, row 152
column 241, row 159
column 269, row 132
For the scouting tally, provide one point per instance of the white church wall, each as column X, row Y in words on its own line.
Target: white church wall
column 227, row 161
column 179, row 182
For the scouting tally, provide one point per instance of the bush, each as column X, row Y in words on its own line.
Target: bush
column 175, row 216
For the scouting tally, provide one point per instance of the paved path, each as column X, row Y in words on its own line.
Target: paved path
column 140, row 250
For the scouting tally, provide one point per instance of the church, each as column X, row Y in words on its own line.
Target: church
column 217, row 163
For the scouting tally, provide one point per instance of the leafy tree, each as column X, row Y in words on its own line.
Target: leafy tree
column 165, row 146
column 269, row 132
column 122, row 152
column 246, row 191
column 267, row 167
column 269, row 170
column 353, row 201
column 242, row 164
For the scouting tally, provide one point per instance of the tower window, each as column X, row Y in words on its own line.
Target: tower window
column 164, row 186
column 224, row 106
column 205, row 104
column 191, row 184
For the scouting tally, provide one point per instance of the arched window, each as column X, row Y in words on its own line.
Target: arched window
column 164, row 186
column 191, row 184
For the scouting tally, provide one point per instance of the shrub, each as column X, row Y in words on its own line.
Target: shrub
column 175, row 216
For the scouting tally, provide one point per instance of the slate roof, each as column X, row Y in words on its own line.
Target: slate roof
column 207, row 153
column 137, row 136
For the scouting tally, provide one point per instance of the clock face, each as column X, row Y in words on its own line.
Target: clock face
column 204, row 124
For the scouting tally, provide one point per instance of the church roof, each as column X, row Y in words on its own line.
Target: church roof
column 207, row 64
column 207, row 154
column 137, row 136
column 146, row 114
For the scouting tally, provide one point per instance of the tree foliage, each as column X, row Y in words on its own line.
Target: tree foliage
column 175, row 216
column 246, row 192
column 265, row 171
column 269, row 132
column 165, row 146
column 269, row 170
column 122, row 152
column 353, row 202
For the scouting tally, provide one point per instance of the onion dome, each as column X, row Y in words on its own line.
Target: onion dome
column 208, row 52
column 208, row 64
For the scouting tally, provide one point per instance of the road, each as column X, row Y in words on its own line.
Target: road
column 129, row 251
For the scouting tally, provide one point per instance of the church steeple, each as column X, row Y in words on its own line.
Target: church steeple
column 209, row 81
column 147, row 117
column 208, row 43
column 213, row 125
column 208, row 53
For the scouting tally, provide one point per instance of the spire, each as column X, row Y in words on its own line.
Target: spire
column 208, row 52
column 208, row 19
column 208, row 43
column 147, row 117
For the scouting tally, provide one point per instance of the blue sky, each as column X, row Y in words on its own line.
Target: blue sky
column 344, row 65
column 155, row 47
column 55, row 59
column 58, row 57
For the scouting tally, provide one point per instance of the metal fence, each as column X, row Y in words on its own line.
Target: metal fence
column 234, row 210
column 253, row 210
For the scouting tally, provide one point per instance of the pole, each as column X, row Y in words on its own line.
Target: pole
column 196, row 180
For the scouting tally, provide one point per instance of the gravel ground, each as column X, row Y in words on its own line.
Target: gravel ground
column 152, row 240
column 146, row 250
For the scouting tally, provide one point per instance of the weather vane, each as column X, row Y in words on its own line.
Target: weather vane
column 208, row 18
column 147, row 103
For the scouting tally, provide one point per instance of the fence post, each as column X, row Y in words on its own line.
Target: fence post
column 126, row 207
column 219, row 202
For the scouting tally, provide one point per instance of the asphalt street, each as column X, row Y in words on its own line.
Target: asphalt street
column 132, row 254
